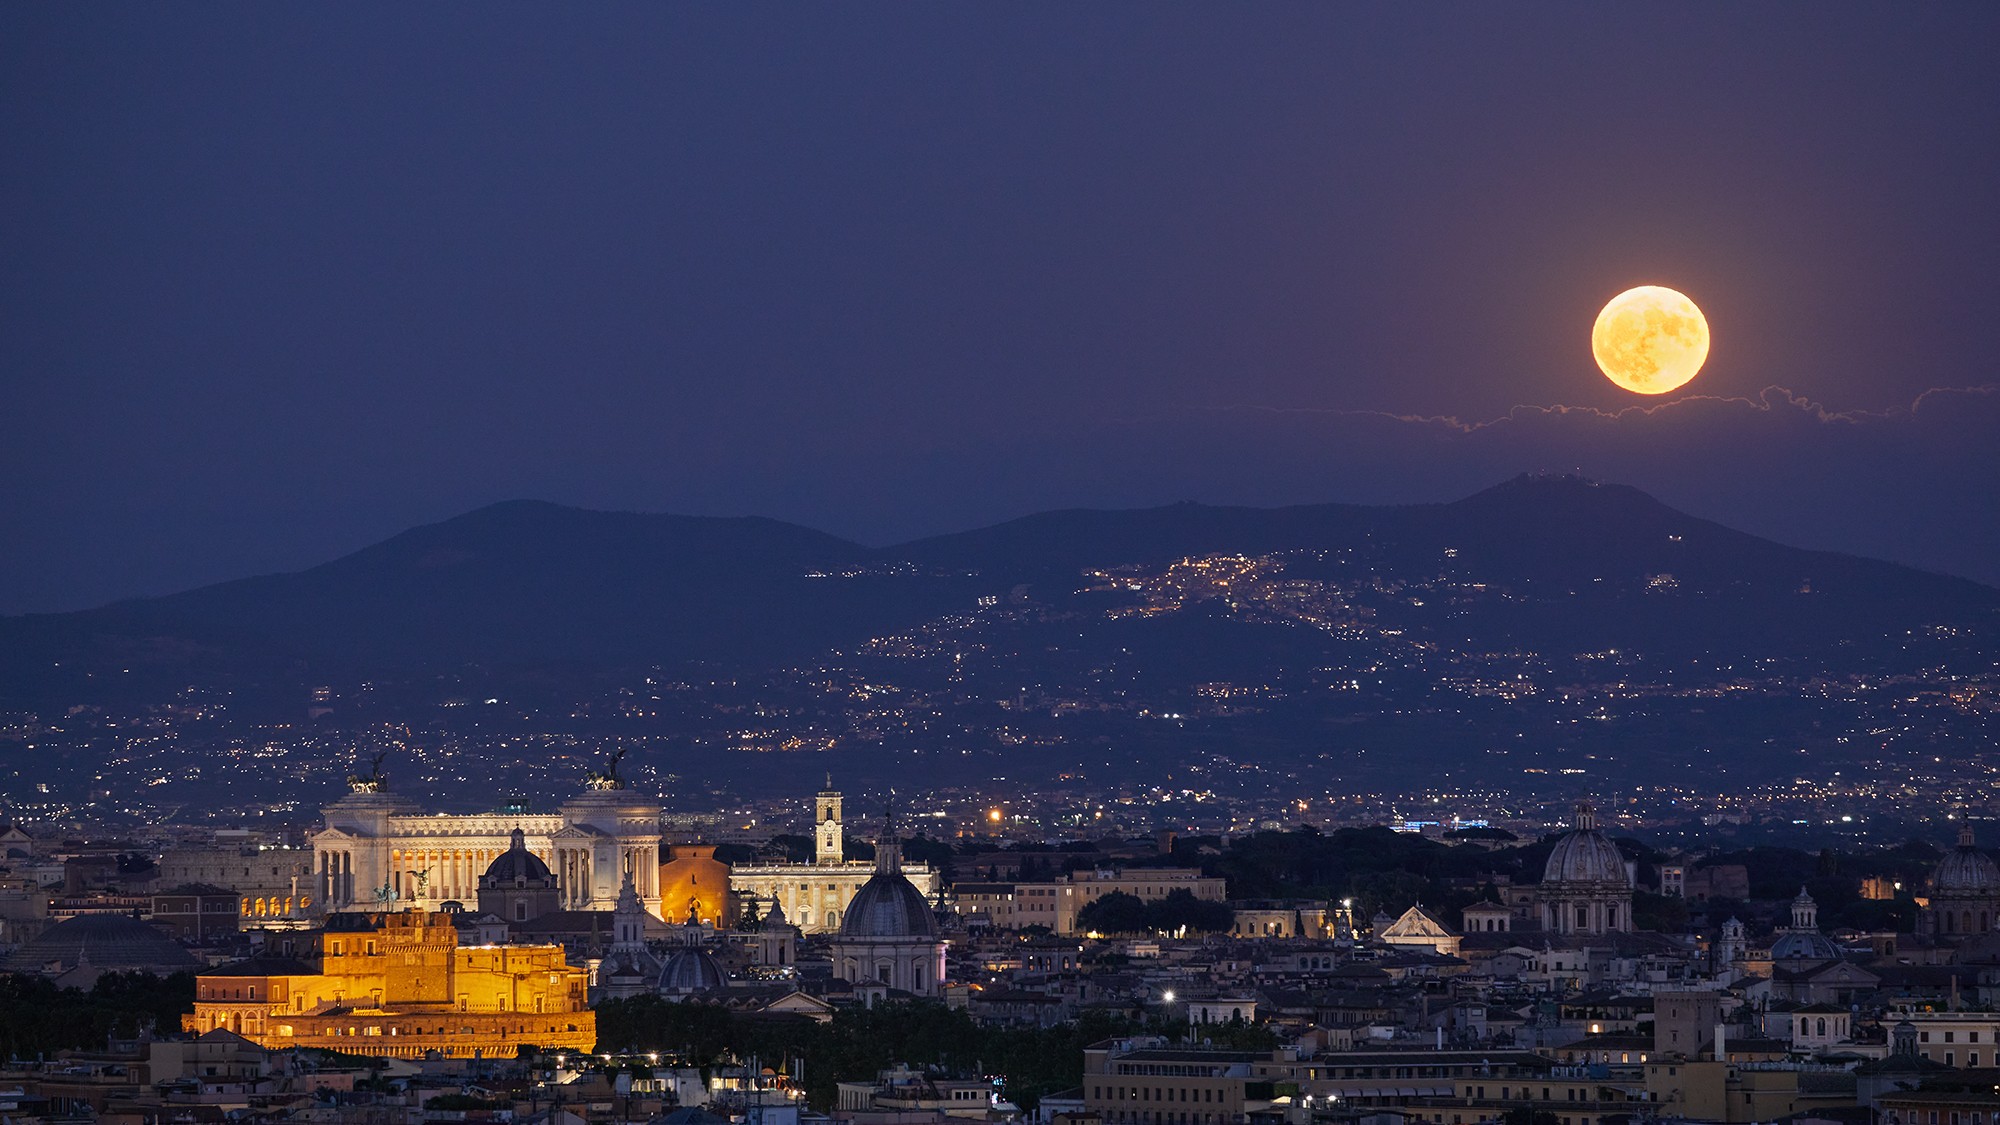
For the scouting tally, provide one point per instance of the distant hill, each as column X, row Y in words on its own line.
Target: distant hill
column 1535, row 529
column 1569, row 566
column 515, row 584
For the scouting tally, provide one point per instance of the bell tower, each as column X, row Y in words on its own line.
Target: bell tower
column 829, row 851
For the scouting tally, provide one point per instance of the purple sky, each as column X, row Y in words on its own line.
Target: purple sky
column 282, row 280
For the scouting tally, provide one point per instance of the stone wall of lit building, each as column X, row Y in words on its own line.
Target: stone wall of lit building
column 398, row 985
column 379, row 847
column 274, row 885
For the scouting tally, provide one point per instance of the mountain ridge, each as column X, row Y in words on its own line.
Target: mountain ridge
column 523, row 583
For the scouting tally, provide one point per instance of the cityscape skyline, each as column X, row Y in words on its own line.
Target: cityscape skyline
column 1128, row 564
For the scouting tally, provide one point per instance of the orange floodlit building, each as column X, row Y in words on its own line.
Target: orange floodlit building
column 398, row 985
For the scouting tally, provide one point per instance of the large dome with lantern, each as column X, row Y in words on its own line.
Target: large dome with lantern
column 1585, row 854
column 888, row 905
column 1966, row 871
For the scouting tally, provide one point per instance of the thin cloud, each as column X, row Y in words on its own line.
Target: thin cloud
column 1771, row 400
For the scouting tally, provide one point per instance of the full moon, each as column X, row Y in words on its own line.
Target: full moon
column 1650, row 340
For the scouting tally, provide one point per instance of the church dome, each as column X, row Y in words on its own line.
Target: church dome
column 1804, row 946
column 888, row 905
column 693, row 969
column 1585, row 855
column 1966, row 872
column 516, row 864
column 106, row 941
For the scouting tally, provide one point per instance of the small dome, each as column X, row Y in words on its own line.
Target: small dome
column 1803, row 946
column 692, row 969
column 1585, row 855
column 106, row 941
column 1966, row 872
column 888, row 906
column 517, row 862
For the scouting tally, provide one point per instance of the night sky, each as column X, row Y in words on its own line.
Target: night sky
column 281, row 280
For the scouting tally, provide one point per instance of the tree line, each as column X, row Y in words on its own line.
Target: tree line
column 860, row 1042
column 38, row 1017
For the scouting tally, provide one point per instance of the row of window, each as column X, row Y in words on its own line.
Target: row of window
column 267, row 907
column 1527, row 1093
column 1157, row 1093
column 1930, row 1117
column 393, row 1031
column 1963, row 923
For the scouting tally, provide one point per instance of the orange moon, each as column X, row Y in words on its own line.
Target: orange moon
column 1650, row 340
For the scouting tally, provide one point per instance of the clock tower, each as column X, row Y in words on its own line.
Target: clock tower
column 829, row 851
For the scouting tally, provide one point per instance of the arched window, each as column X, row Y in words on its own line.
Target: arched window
column 1821, row 1029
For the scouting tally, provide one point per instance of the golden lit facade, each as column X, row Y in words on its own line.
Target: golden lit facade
column 398, row 985
column 694, row 884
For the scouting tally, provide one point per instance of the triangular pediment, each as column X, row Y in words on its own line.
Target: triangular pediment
column 1416, row 923
column 796, row 1001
